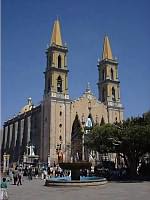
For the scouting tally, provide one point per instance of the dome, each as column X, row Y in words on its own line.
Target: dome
column 27, row 107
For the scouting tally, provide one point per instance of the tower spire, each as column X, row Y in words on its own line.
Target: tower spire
column 107, row 53
column 56, row 34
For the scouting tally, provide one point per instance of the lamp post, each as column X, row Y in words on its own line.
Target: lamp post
column 83, row 127
column 116, row 144
column 59, row 150
column 86, row 126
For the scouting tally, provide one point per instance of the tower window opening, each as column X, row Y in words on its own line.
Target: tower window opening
column 60, row 138
column 112, row 74
column 103, row 94
column 59, row 61
column 59, row 84
column 113, row 94
column 103, row 74
column 48, row 88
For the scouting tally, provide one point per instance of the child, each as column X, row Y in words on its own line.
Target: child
column 4, row 194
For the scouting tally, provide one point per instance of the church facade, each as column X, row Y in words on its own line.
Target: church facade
column 49, row 126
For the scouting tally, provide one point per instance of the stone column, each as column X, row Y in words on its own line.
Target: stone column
column 10, row 134
column 29, row 129
column 8, row 139
column 12, row 142
column 16, row 132
column 21, row 131
column 5, row 141
column 17, row 148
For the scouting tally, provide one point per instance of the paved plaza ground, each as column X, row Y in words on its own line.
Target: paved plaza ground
column 35, row 190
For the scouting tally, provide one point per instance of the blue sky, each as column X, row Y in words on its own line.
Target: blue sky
column 26, row 30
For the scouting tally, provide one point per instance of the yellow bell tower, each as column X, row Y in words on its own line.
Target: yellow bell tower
column 55, row 107
column 109, row 84
column 56, row 74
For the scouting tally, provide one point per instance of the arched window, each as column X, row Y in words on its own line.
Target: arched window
column 59, row 84
column 103, row 74
column 103, row 95
column 113, row 94
column 59, row 61
column 112, row 74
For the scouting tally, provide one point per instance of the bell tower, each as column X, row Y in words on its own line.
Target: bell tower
column 56, row 73
column 55, row 108
column 109, row 84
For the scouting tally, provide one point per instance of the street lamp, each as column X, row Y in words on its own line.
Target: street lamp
column 116, row 144
column 83, row 127
column 86, row 126
column 59, row 150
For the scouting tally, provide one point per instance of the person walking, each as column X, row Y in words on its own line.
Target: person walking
column 4, row 193
column 36, row 172
column 19, row 178
column 30, row 173
column 15, row 177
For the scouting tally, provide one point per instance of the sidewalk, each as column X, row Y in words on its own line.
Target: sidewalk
column 35, row 190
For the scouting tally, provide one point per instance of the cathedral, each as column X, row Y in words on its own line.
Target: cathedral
column 50, row 126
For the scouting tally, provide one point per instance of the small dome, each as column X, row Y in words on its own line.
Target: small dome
column 27, row 107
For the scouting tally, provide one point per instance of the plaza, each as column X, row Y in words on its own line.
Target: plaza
column 36, row 190
column 74, row 92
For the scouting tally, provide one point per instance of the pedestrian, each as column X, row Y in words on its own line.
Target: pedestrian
column 30, row 173
column 36, row 172
column 45, row 174
column 19, row 178
column 51, row 171
column 54, row 164
column 15, row 177
column 48, row 172
column 11, row 175
column 4, row 193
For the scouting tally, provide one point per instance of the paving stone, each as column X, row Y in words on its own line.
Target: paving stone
column 35, row 190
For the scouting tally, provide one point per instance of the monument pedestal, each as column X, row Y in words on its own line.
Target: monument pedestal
column 30, row 158
column 6, row 162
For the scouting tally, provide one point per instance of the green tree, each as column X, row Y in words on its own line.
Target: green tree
column 134, row 136
column 130, row 139
column 100, row 138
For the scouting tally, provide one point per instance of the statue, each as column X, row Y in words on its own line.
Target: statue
column 31, row 150
column 89, row 123
column 92, row 158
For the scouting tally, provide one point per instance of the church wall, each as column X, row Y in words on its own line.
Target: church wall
column 97, row 109
column 115, row 115
column 45, row 129
column 13, row 134
column 59, row 128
